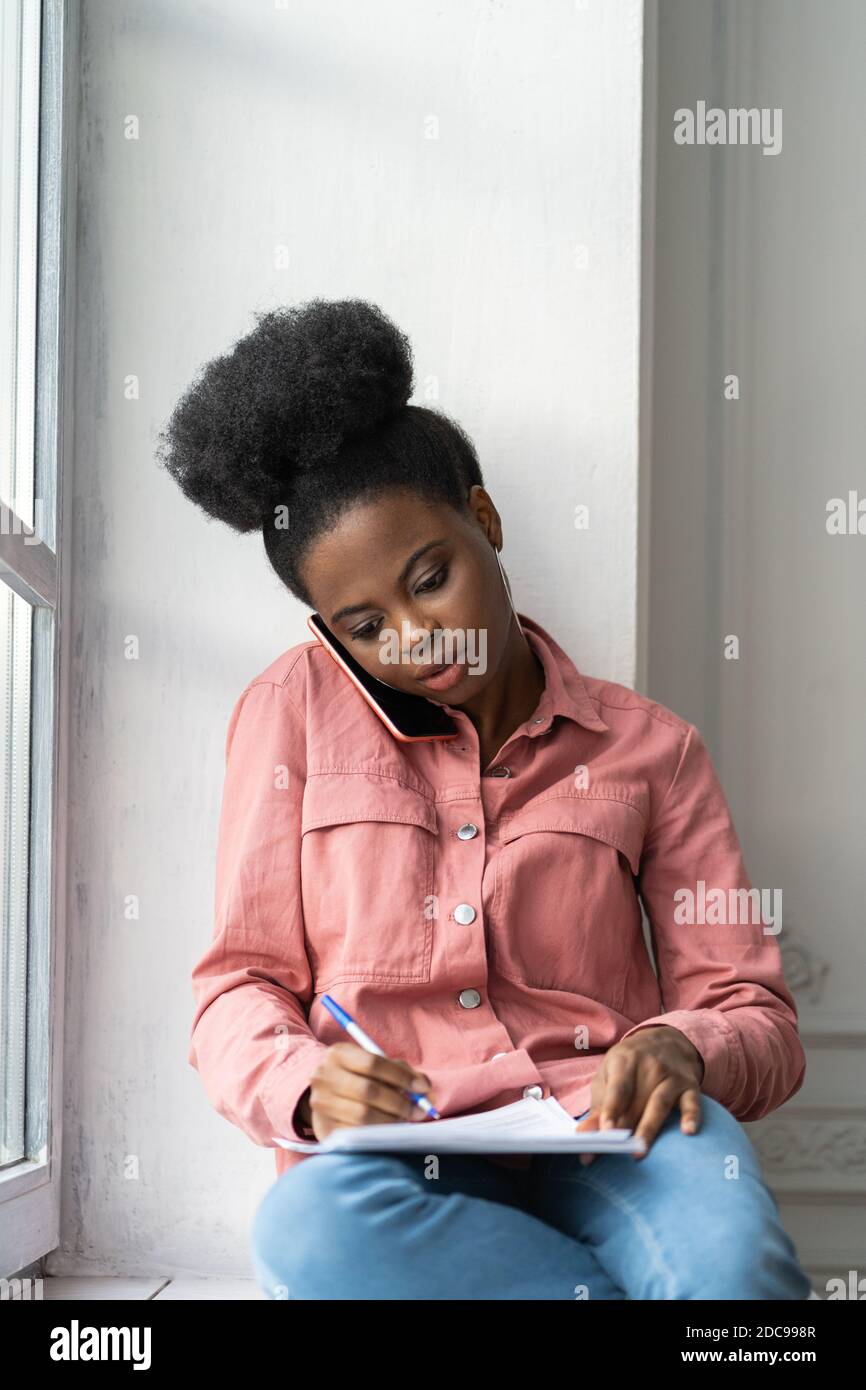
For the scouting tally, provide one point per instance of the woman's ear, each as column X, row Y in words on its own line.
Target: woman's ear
column 481, row 504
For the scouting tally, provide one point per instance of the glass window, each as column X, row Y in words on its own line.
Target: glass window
column 32, row 100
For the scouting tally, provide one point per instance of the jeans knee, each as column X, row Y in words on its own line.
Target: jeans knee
column 316, row 1220
column 270, row 1237
column 754, row 1257
column 747, row 1261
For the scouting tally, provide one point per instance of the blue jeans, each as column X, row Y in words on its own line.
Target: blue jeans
column 693, row 1219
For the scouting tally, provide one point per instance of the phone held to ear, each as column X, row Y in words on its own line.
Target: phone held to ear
column 409, row 717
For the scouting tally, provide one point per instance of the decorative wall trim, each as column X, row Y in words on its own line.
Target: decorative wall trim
column 832, row 1028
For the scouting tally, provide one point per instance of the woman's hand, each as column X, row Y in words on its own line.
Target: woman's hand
column 639, row 1082
column 352, row 1087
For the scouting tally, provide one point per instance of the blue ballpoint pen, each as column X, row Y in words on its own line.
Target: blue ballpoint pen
column 351, row 1027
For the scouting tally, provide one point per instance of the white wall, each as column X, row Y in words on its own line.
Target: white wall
column 305, row 127
column 759, row 272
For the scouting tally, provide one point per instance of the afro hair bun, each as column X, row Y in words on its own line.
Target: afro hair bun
column 282, row 401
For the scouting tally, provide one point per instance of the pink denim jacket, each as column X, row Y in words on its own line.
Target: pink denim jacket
column 482, row 924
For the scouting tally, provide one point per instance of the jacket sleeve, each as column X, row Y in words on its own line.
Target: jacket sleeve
column 720, row 973
column 250, row 1040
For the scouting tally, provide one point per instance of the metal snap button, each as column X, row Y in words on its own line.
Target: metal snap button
column 464, row 913
column 469, row 998
column 499, row 771
column 467, row 831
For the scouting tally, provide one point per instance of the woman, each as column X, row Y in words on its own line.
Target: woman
column 473, row 903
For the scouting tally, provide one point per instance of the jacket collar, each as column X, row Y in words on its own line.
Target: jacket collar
column 564, row 691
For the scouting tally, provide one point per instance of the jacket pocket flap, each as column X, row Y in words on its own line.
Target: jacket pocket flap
column 616, row 823
column 336, row 798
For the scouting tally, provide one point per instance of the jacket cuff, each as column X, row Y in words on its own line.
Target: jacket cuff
column 714, row 1038
column 283, row 1089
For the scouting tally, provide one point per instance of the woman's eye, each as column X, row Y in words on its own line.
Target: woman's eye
column 430, row 584
column 434, row 582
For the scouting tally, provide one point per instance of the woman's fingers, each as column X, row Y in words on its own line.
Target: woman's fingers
column 355, row 1087
column 619, row 1089
column 338, row 1111
column 345, row 1098
column 614, row 1096
column 690, row 1111
column 641, row 1079
column 656, row 1111
column 348, row 1056
column 589, row 1122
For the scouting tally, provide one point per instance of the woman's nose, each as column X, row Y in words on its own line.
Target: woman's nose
column 416, row 640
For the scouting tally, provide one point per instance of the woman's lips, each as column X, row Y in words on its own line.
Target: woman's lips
column 446, row 678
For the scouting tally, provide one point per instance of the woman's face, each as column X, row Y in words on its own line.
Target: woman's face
column 402, row 568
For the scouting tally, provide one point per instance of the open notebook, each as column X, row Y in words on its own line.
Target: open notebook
column 526, row 1126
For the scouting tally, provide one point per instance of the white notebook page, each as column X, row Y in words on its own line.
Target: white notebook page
column 525, row 1126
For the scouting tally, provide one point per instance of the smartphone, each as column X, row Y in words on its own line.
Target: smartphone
column 409, row 717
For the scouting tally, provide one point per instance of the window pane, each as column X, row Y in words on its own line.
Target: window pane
column 19, row 167
column 15, row 644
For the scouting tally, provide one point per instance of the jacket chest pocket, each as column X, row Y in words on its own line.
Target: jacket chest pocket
column 367, row 867
column 572, row 916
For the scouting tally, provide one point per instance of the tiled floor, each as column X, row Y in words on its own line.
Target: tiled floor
column 91, row 1287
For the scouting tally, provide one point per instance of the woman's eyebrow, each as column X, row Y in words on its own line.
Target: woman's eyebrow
column 405, row 571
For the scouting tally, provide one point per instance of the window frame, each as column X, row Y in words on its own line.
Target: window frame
column 30, row 1191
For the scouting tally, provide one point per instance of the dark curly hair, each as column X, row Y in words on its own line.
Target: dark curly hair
column 305, row 415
